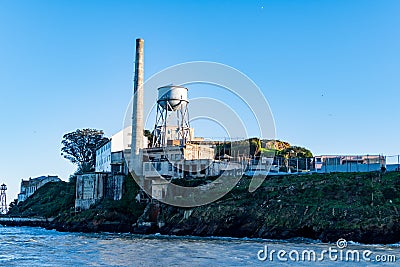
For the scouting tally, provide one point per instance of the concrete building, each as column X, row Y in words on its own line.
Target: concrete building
column 28, row 187
column 122, row 140
column 177, row 162
column 173, row 135
column 110, row 171
column 119, row 164
column 89, row 189
column 92, row 187
column 114, row 156
column 103, row 158
column 115, row 179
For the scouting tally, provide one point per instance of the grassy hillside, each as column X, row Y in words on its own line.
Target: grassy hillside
column 48, row 201
column 362, row 207
column 57, row 200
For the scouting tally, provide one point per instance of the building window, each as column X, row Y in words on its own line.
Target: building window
column 203, row 169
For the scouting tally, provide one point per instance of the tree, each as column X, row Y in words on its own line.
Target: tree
column 13, row 204
column 80, row 148
column 295, row 152
column 255, row 146
column 149, row 136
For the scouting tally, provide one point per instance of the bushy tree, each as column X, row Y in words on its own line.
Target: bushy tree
column 149, row 136
column 296, row 152
column 13, row 204
column 80, row 148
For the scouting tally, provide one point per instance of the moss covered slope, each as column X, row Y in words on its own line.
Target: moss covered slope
column 362, row 207
column 48, row 201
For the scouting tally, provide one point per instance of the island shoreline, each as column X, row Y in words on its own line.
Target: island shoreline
column 323, row 207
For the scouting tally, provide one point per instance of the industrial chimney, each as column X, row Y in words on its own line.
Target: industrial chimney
column 136, row 163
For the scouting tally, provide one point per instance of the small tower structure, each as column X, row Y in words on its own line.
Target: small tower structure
column 3, row 199
column 172, row 100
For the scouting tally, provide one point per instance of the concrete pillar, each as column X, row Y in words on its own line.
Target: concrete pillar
column 137, row 112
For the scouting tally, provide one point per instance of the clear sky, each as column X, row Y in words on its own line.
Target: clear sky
column 329, row 69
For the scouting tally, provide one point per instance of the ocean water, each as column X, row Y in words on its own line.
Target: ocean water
column 31, row 246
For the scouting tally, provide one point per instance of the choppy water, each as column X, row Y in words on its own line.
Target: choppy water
column 26, row 246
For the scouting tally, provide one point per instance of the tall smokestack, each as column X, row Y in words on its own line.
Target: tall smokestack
column 137, row 112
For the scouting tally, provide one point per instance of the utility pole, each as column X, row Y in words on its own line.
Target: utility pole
column 3, row 199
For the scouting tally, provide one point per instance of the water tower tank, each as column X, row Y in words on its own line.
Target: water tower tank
column 170, row 97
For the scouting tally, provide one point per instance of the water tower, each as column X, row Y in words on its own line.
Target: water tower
column 172, row 100
column 3, row 199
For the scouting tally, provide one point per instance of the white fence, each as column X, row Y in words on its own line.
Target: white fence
column 335, row 163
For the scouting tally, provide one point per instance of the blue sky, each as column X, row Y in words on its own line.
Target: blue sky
column 329, row 69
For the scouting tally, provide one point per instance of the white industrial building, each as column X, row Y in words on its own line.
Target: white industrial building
column 103, row 158
column 116, row 149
